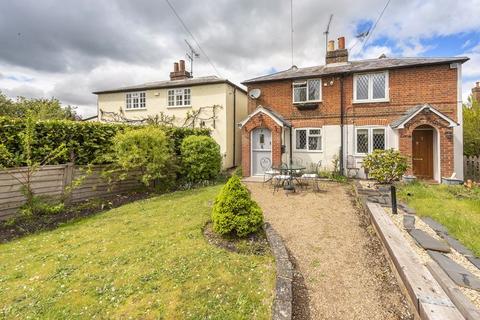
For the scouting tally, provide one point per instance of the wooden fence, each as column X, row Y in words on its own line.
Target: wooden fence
column 471, row 168
column 53, row 180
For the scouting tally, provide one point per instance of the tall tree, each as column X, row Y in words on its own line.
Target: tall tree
column 40, row 108
column 471, row 127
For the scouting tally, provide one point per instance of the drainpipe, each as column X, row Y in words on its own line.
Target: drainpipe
column 234, row 123
column 342, row 116
column 291, row 147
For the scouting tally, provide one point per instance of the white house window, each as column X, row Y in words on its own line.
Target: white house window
column 370, row 87
column 179, row 97
column 369, row 139
column 307, row 91
column 135, row 100
column 308, row 139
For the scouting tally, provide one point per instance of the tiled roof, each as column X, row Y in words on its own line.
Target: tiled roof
column 354, row 66
column 171, row 84
column 410, row 113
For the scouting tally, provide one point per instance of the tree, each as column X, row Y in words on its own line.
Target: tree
column 385, row 166
column 471, row 127
column 40, row 109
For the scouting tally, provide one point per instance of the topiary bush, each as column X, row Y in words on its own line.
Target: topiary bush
column 234, row 211
column 385, row 166
column 201, row 159
column 146, row 149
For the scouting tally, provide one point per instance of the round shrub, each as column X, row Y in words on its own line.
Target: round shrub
column 234, row 211
column 201, row 159
column 145, row 149
column 385, row 166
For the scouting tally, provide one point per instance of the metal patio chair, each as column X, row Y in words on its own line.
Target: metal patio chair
column 313, row 177
column 280, row 179
column 352, row 166
column 268, row 172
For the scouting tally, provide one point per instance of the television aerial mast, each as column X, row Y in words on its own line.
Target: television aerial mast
column 327, row 32
column 192, row 54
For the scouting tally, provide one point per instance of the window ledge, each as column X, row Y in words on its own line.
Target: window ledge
column 178, row 107
column 307, row 151
column 370, row 101
column 135, row 109
column 307, row 105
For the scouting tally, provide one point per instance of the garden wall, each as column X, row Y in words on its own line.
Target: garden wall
column 53, row 179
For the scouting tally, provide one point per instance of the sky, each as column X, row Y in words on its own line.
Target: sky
column 66, row 49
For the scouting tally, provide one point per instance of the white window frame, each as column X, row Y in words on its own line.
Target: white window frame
column 307, row 94
column 370, row 138
column 370, row 88
column 175, row 94
column 141, row 105
column 294, row 142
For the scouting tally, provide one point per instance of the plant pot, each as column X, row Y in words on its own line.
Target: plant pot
column 409, row 179
column 452, row 181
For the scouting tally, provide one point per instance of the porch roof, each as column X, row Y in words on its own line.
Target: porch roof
column 411, row 113
column 272, row 114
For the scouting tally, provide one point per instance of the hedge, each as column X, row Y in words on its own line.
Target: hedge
column 86, row 141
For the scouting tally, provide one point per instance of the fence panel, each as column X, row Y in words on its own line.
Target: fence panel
column 471, row 168
column 52, row 181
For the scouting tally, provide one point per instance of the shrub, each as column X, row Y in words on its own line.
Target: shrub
column 201, row 159
column 145, row 149
column 385, row 166
column 234, row 212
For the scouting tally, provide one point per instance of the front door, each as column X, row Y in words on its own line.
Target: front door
column 422, row 153
column 261, row 150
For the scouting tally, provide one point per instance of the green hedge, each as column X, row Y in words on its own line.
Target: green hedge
column 87, row 141
column 201, row 159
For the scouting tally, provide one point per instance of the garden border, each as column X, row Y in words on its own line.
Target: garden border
column 283, row 301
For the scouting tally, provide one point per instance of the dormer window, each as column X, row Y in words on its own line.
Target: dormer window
column 370, row 87
column 307, row 91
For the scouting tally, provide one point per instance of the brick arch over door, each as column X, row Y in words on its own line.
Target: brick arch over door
column 260, row 120
column 444, row 134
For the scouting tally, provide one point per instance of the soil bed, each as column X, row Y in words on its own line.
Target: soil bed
column 340, row 269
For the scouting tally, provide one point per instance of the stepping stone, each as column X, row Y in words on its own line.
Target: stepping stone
column 455, row 244
column 456, row 272
column 406, row 208
column 439, row 228
column 474, row 260
column 427, row 242
column 409, row 222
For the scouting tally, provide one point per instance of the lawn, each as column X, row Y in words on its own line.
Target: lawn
column 456, row 207
column 144, row 260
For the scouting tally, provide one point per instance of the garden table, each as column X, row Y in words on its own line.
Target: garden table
column 291, row 171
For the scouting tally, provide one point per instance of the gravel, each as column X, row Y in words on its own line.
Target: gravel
column 340, row 269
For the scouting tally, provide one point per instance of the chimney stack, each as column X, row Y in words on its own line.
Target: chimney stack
column 179, row 72
column 339, row 55
column 476, row 92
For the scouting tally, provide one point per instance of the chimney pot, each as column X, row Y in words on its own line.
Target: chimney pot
column 331, row 45
column 341, row 43
column 182, row 65
column 175, row 67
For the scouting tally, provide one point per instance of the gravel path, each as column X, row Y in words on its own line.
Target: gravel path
column 341, row 272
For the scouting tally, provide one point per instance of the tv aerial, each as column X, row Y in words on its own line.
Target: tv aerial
column 192, row 54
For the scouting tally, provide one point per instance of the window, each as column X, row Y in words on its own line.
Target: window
column 179, row 97
column 370, row 87
column 135, row 100
column 307, row 91
column 369, row 139
column 308, row 139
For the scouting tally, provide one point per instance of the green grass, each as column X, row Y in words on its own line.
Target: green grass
column 144, row 260
column 456, row 207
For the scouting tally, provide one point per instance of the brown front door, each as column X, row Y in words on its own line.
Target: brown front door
column 422, row 155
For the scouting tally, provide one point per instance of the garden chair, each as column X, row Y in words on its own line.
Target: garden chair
column 268, row 172
column 313, row 177
column 352, row 166
column 282, row 177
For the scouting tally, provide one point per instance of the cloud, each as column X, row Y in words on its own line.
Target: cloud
column 71, row 48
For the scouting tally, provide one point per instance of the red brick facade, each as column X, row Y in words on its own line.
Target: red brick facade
column 435, row 85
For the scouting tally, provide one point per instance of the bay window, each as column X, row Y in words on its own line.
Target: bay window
column 369, row 139
column 308, row 139
column 307, row 91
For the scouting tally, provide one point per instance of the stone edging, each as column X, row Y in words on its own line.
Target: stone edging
column 282, row 304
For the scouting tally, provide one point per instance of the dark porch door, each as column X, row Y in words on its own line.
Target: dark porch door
column 422, row 153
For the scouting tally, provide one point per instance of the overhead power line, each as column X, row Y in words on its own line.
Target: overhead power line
column 192, row 36
column 370, row 31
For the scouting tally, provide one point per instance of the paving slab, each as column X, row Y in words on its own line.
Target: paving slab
column 455, row 244
column 427, row 242
column 456, row 272
column 409, row 222
column 439, row 228
column 474, row 260
column 406, row 208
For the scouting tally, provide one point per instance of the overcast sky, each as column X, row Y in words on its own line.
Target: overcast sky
column 67, row 49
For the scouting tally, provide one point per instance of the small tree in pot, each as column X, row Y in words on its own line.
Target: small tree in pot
column 385, row 166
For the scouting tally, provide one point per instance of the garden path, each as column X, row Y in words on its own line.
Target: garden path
column 340, row 269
